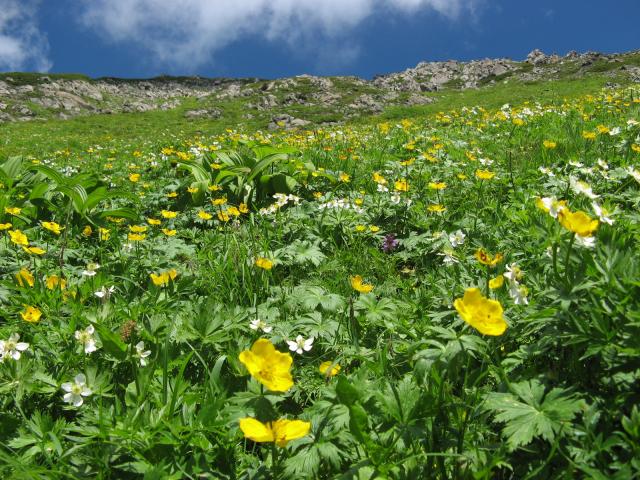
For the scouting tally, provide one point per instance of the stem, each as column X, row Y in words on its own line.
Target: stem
column 567, row 257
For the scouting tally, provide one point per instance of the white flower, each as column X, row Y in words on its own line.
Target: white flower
column 586, row 242
column 457, row 238
column 11, row 348
column 382, row 188
column 573, row 163
column 485, row 161
column 449, row 257
column 85, row 337
column 519, row 294
column 141, row 353
column 547, row 171
column 395, row 198
column 76, row 390
column 91, row 269
column 615, row 131
column 634, row 173
column 258, row 324
column 584, row 188
column 602, row 214
column 552, row 205
column 513, row 274
column 300, row 344
column 602, row 164
column 105, row 293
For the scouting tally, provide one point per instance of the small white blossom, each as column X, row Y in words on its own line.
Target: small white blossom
column 300, row 344
column 584, row 188
column 547, row 171
column 586, row 242
column 141, row 353
column 519, row 294
column 615, row 131
column 85, row 337
column 91, row 270
column 634, row 173
column 76, row 390
column 552, row 205
column 258, row 324
column 513, row 274
column 12, row 348
column 602, row 214
column 105, row 293
column 457, row 238
column 449, row 257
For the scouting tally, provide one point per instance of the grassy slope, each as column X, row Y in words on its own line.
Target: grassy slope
column 40, row 137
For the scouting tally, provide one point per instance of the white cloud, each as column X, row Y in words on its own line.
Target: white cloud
column 22, row 45
column 186, row 33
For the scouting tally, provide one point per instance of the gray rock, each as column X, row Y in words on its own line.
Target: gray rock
column 286, row 122
column 536, row 57
column 212, row 113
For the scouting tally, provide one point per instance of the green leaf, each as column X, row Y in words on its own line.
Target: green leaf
column 530, row 414
column 346, row 392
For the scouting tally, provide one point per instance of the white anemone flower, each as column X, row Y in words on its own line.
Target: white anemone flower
column 586, row 242
column 457, row 238
column 85, row 337
column 12, row 348
column 258, row 324
column 519, row 294
column 142, row 354
column 76, row 390
column 300, row 344
column 603, row 214
column 91, row 269
column 584, row 188
column 105, row 293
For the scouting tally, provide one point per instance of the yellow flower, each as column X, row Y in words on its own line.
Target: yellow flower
column 481, row 313
column 168, row 214
column 345, row 177
column 437, row 185
column 104, row 233
column 374, row 228
column 214, row 188
column 436, row 208
column 154, row 221
column 550, row 145
column 577, row 222
column 379, row 179
column 192, row 189
column 233, row 211
column 402, row 186
column 223, row 216
column 31, row 314
column 204, row 215
column 635, row 148
column 496, row 283
column 169, row 233
column 172, row 194
column 264, row 263
column 5, row 226
column 485, row 174
column 134, row 177
column 358, row 284
column 25, row 276
column 163, row 278
column 87, row 231
column 589, row 135
column 360, row 228
column 138, row 228
column 461, row 176
column 326, row 370
column 12, row 210
column 54, row 281
column 281, row 431
column 269, row 366
column 136, row 237
column 34, row 250
column 18, row 237
column 485, row 258
column 243, row 208
column 219, row 201
column 52, row 227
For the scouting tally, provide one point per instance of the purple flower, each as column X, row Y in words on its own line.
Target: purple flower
column 390, row 243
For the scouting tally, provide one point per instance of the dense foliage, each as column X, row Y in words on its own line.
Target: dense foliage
column 452, row 298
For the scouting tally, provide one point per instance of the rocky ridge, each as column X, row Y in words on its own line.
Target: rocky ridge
column 29, row 97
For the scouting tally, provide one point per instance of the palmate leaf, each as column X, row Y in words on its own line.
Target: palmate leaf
column 530, row 413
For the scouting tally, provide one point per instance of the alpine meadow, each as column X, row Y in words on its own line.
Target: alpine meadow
column 432, row 274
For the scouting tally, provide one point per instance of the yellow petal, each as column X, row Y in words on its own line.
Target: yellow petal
column 256, row 430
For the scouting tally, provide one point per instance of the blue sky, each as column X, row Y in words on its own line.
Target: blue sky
column 278, row 38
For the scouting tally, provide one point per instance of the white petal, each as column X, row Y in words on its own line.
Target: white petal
column 66, row 386
column 22, row 346
column 81, row 379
